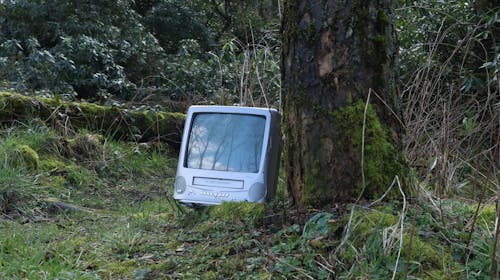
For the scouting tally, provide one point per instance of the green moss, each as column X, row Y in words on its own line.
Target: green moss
column 337, row 150
column 372, row 221
column 487, row 212
column 29, row 156
column 210, row 275
column 312, row 180
column 428, row 253
column 119, row 123
column 121, row 269
column 78, row 176
column 230, row 265
column 50, row 163
column 349, row 255
column 10, row 104
column 367, row 239
column 55, row 183
column 367, row 234
column 172, row 245
column 383, row 20
column 381, row 157
column 65, row 174
column 91, row 109
column 245, row 211
column 164, row 265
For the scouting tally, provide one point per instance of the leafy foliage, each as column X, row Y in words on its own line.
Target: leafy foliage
column 171, row 22
column 246, row 20
column 235, row 74
column 75, row 47
column 126, row 49
column 430, row 32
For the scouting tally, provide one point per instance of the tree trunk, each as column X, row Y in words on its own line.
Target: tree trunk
column 333, row 53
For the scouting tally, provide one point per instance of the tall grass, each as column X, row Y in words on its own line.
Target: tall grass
column 452, row 115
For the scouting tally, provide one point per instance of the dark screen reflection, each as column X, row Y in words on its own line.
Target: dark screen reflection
column 226, row 142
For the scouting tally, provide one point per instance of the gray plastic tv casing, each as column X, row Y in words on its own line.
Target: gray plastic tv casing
column 257, row 187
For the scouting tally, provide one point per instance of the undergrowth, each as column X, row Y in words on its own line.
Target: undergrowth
column 93, row 208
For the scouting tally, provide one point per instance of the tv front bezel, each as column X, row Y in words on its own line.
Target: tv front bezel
column 218, row 194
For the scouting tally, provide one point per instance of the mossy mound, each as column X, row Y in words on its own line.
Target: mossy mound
column 51, row 163
column 487, row 212
column 368, row 223
column 426, row 252
column 28, row 156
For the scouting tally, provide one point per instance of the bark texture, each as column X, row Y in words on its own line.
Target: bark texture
column 333, row 53
column 118, row 123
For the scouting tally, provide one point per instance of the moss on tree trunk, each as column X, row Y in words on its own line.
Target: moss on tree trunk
column 333, row 53
column 116, row 122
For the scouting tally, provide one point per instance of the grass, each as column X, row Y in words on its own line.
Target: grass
column 123, row 224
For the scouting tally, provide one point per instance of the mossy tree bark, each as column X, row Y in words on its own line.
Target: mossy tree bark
column 333, row 53
column 118, row 123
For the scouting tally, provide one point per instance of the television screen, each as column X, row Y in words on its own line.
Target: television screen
column 226, row 142
column 228, row 153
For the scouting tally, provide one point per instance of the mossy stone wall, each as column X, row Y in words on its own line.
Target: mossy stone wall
column 116, row 122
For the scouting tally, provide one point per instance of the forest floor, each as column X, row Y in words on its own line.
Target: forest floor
column 80, row 206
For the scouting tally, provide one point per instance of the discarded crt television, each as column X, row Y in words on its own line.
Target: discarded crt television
column 228, row 154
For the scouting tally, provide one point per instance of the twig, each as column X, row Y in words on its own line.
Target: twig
column 363, row 143
column 493, row 267
column 384, row 195
column 403, row 214
column 473, row 221
column 78, row 259
column 325, row 266
column 257, row 70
